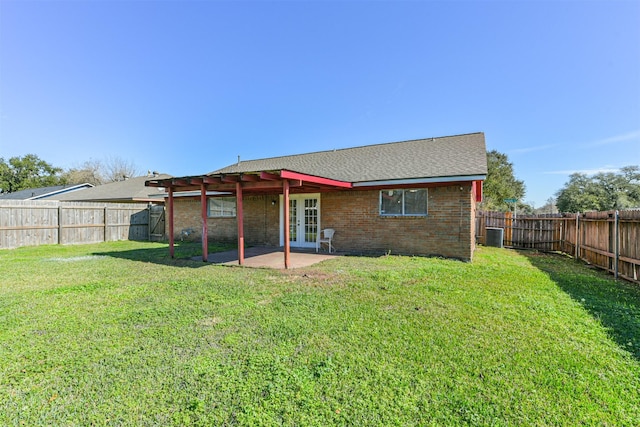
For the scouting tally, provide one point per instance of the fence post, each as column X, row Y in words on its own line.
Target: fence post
column 508, row 229
column 617, row 243
column 577, row 250
column 59, row 224
column 563, row 226
column 105, row 225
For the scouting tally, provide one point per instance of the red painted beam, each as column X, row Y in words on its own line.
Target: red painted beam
column 263, row 185
column 287, row 236
column 314, row 179
column 477, row 189
column 230, row 178
column 269, row 176
column 240, row 219
column 249, row 178
column 258, row 186
column 205, row 226
column 223, row 187
column 171, row 239
column 211, row 180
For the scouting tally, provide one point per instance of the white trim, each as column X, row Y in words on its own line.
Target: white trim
column 65, row 190
column 299, row 196
column 235, row 207
column 403, row 214
column 421, row 180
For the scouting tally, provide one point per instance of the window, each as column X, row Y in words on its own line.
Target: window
column 409, row 202
column 222, row 207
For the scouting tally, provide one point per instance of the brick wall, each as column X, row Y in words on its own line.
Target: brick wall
column 261, row 222
column 447, row 230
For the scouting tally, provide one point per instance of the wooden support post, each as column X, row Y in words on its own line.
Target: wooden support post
column 287, row 237
column 240, row 218
column 171, row 238
column 205, row 226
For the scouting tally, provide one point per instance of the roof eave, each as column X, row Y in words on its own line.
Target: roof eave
column 429, row 180
column 61, row 191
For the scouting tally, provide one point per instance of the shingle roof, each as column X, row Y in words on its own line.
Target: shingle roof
column 43, row 192
column 450, row 156
column 132, row 189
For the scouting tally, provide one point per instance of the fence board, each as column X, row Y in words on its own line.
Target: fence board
column 609, row 240
column 31, row 223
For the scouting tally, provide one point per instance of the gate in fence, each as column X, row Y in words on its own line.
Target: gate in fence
column 156, row 223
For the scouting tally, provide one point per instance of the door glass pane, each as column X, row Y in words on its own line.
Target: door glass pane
column 310, row 220
column 293, row 220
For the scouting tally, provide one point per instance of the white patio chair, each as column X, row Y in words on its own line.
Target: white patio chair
column 325, row 236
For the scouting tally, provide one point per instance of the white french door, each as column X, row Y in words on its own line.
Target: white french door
column 304, row 220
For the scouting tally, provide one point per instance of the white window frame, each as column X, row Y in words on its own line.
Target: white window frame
column 228, row 210
column 403, row 212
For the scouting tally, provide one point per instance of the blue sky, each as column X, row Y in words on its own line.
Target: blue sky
column 184, row 87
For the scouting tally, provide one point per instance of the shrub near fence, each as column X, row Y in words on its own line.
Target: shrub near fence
column 31, row 223
column 609, row 240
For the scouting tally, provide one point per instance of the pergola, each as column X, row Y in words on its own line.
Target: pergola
column 282, row 182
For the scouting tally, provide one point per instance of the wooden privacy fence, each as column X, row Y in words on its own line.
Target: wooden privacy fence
column 30, row 223
column 609, row 240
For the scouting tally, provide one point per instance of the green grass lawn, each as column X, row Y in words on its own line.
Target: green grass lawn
column 119, row 334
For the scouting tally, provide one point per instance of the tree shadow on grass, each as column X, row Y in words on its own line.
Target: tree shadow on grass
column 616, row 304
column 184, row 254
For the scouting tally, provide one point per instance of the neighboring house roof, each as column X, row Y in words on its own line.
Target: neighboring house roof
column 44, row 192
column 445, row 158
column 129, row 190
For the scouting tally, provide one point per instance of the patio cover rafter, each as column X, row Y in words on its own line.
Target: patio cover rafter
column 253, row 182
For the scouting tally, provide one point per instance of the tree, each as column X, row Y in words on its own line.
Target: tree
column 98, row 172
column 29, row 171
column 118, row 169
column 501, row 183
column 601, row 192
column 548, row 208
column 91, row 171
column 526, row 208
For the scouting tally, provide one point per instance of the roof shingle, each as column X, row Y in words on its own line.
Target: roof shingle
column 43, row 192
column 450, row 156
column 132, row 189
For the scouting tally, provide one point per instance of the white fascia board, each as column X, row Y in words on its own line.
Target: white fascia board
column 65, row 190
column 421, row 180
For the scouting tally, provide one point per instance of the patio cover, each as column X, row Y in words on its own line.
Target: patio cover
column 282, row 181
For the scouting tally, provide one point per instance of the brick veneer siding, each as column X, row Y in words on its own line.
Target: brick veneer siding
column 448, row 230
column 261, row 221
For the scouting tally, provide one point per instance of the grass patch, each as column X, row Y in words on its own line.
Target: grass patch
column 616, row 307
column 120, row 334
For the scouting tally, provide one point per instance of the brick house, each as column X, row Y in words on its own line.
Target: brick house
column 413, row 197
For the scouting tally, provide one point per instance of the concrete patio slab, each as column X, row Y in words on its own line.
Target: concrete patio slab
column 268, row 257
